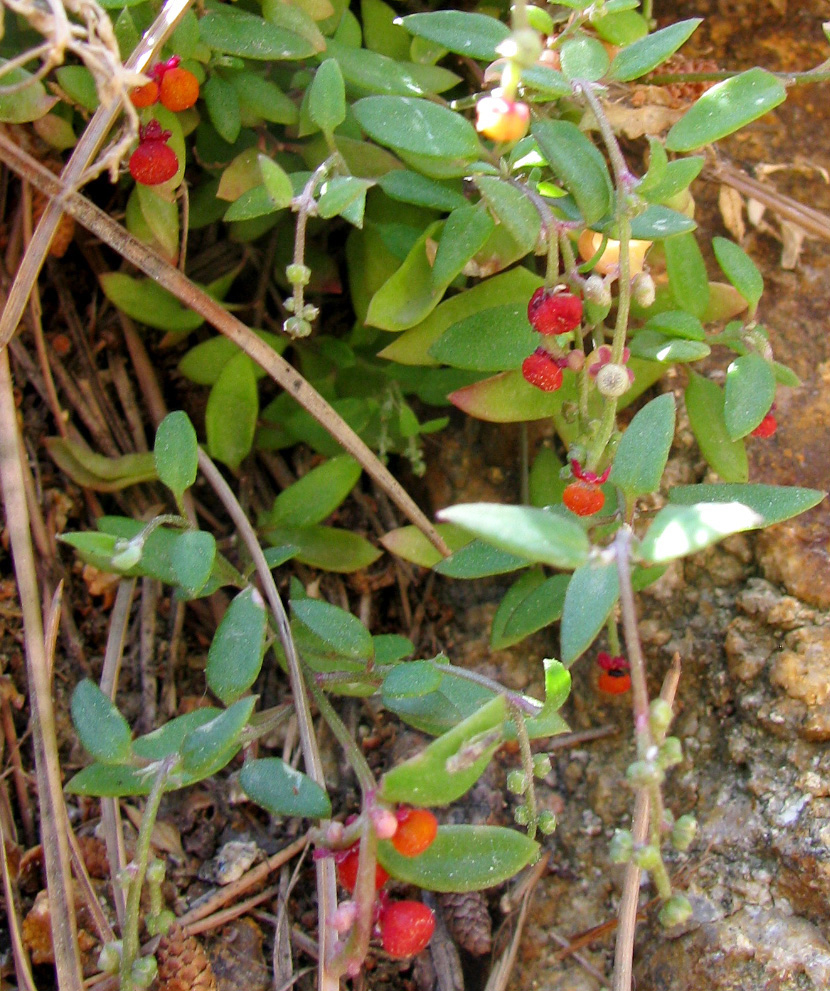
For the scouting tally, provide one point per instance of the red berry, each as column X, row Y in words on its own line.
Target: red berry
column 501, row 119
column 179, row 89
column 552, row 312
column 767, row 427
column 417, row 828
column 541, row 370
column 405, row 928
column 145, row 96
column 153, row 162
column 583, row 498
column 347, row 863
column 614, row 682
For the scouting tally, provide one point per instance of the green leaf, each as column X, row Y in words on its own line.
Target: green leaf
column 97, row 472
column 235, row 655
column 462, row 858
column 254, row 203
column 390, row 648
column 650, row 344
column 104, row 733
column 592, row 594
column 677, row 323
column 326, row 547
column 412, row 680
column 686, row 268
column 276, row 181
column 327, row 97
column 335, row 627
column 413, row 125
column 381, row 31
column 740, row 269
column 644, row 449
column 237, row 32
column 642, row 56
column 557, row 690
column 475, row 35
column 262, row 99
column 28, row 103
column 450, row 765
column 212, row 741
column 222, row 105
column 491, row 340
column 704, row 404
column 656, row 223
column 678, row 176
column 578, row 164
column 110, row 781
column 368, row 72
column 543, row 79
column 512, row 208
column 535, row 534
column 79, row 85
column 412, row 347
column 410, row 543
column 282, row 790
column 176, row 452
column 342, row 195
column 203, row 363
column 145, row 301
column 167, row 739
column 229, row 438
column 531, row 604
column 620, row 27
column 773, row 503
column 725, row 108
column 192, row 558
column 583, row 57
column 680, row 530
column 545, row 483
column 478, row 560
column 316, row 495
column 412, row 187
column 453, row 700
column 466, row 231
column 749, row 394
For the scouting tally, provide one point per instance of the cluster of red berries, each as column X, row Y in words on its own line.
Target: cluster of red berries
column 551, row 312
column 405, row 927
column 176, row 88
column 584, row 497
column 615, row 678
column 153, row 161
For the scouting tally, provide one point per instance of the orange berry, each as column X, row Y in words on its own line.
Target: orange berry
column 347, row 864
column 502, row 120
column 583, row 498
column 179, row 89
column 614, row 682
column 146, row 95
column 405, row 928
column 417, row 828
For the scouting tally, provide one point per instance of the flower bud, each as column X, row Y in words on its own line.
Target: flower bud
column 334, row 834
column 297, row 327
column 670, row 753
column 517, row 782
column 524, row 46
column 155, row 872
column 659, row 717
column 144, row 971
column 298, row 275
column 613, row 381
column 676, row 911
column 597, row 291
column 647, row 857
column 109, row 959
column 546, row 822
column 160, row 922
column 642, row 773
column 541, row 765
column 621, row 847
column 343, row 917
column 683, row 832
column 643, row 291
column 385, row 823
column 522, row 815
column 576, row 360
column 310, row 311
column 127, row 554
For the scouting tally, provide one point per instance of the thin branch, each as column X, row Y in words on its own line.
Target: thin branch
column 170, row 278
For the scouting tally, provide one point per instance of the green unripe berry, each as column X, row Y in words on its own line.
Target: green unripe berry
column 109, row 959
column 676, row 911
column 546, row 822
column 647, row 857
column 158, row 923
column 659, row 718
column 643, row 773
column 683, row 832
column 517, row 782
column 541, row 765
column 144, row 971
column 310, row 311
column 522, row 815
column 670, row 753
column 621, row 846
column 297, row 327
column 298, row 275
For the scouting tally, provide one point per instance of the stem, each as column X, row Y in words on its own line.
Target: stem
column 639, row 688
column 345, row 739
column 306, row 206
column 527, row 767
column 613, row 636
column 139, row 867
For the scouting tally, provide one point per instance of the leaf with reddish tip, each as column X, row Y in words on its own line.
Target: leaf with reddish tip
column 508, row 398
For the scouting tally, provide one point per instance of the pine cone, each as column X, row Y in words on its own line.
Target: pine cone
column 468, row 921
column 183, row 964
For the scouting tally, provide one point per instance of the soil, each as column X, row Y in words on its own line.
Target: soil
column 749, row 621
